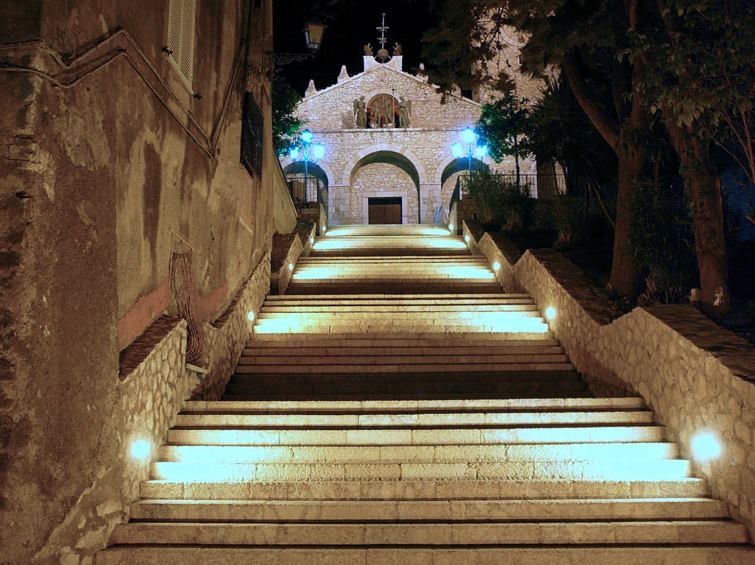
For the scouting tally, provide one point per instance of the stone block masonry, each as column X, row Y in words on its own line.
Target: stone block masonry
column 694, row 374
column 417, row 161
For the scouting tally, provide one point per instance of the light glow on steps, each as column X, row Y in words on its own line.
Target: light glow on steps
column 201, row 454
column 505, row 322
column 367, row 231
column 424, row 271
column 425, row 436
column 613, row 470
column 423, row 242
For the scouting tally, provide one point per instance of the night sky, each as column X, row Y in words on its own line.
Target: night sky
column 351, row 24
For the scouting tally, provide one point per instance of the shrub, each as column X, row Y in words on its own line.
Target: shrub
column 569, row 220
column 500, row 202
column 662, row 233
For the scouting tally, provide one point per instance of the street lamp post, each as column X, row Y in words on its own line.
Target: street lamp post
column 310, row 152
column 468, row 139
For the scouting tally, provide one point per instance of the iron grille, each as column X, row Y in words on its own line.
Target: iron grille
column 251, row 135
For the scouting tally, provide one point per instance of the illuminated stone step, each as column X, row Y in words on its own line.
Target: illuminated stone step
column 485, row 360
column 431, row 533
column 406, row 367
column 389, row 339
column 397, row 288
column 528, row 331
column 478, row 510
column 655, row 469
column 388, row 229
column 419, row 298
column 426, row 310
column 402, row 318
column 404, row 394
column 313, row 351
column 422, row 490
column 415, row 420
column 423, row 436
column 281, row 555
column 387, row 252
column 631, row 453
column 412, row 406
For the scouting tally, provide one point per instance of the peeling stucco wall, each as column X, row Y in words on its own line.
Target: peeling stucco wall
column 106, row 159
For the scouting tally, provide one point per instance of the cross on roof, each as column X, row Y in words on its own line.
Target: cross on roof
column 382, row 29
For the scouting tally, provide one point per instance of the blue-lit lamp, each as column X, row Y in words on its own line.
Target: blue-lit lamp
column 468, row 147
column 468, row 136
column 318, row 151
column 308, row 152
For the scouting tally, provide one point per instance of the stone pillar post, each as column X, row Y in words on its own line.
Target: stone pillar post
column 429, row 200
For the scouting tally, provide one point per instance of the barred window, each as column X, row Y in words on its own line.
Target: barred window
column 251, row 135
column 181, row 20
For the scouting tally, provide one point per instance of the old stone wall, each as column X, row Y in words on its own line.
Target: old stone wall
column 375, row 180
column 110, row 158
column 148, row 399
column 695, row 375
column 226, row 337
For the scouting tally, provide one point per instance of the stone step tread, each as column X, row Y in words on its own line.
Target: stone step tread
column 542, row 533
column 655, row 469
column 372, row 296
column 423, row 489
column 419, row 420
column 401, row 316
column 387, row 339
column 539, row 329
column 424, row 436
column 554, row 555
column 629, row 452
column 300, row 360
column 288, row 395
column 436, row 310
column 264, row 350
column 484, row 510
column 589, row 404
column 408, row 368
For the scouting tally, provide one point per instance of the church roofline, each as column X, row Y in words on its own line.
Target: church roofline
column 377, row 68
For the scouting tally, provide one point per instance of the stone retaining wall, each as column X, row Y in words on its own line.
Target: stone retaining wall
column 149, row 399
column 227, row 336
column 694, row 374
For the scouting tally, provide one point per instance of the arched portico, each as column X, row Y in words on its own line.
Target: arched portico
column 446, row 176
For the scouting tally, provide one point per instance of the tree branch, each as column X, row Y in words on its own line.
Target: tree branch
column 604, row 123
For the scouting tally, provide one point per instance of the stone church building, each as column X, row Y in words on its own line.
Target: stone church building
column 388, row 136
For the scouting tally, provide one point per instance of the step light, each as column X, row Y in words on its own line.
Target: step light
column 466, row 238
column 705, row 446
column 496, row 266
column 311, row 239
column 290, row 266
column 451, row 228
column 141, row 449
column 550, row 313
column 250, row 316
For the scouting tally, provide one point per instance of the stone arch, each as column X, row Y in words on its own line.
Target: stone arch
column 319, row 169
column 405, row 157
column 314, row 169
column 411, row 203
column 457, row 165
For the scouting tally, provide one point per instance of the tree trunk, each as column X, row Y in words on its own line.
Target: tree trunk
column 516, row 159
column 625, row 271
column 702, row 181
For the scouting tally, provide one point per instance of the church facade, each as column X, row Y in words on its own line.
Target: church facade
column 388, row 137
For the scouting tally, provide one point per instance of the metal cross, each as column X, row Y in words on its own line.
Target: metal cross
column 382, row 29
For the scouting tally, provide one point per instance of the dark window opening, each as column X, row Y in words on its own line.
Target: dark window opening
column 252, row 135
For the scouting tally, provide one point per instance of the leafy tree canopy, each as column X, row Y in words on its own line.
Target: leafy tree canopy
column 286, row 125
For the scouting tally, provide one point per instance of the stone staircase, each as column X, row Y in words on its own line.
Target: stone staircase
column 396, row 407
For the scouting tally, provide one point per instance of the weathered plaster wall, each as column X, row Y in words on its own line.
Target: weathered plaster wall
column 694, row 374
column 108, row 160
